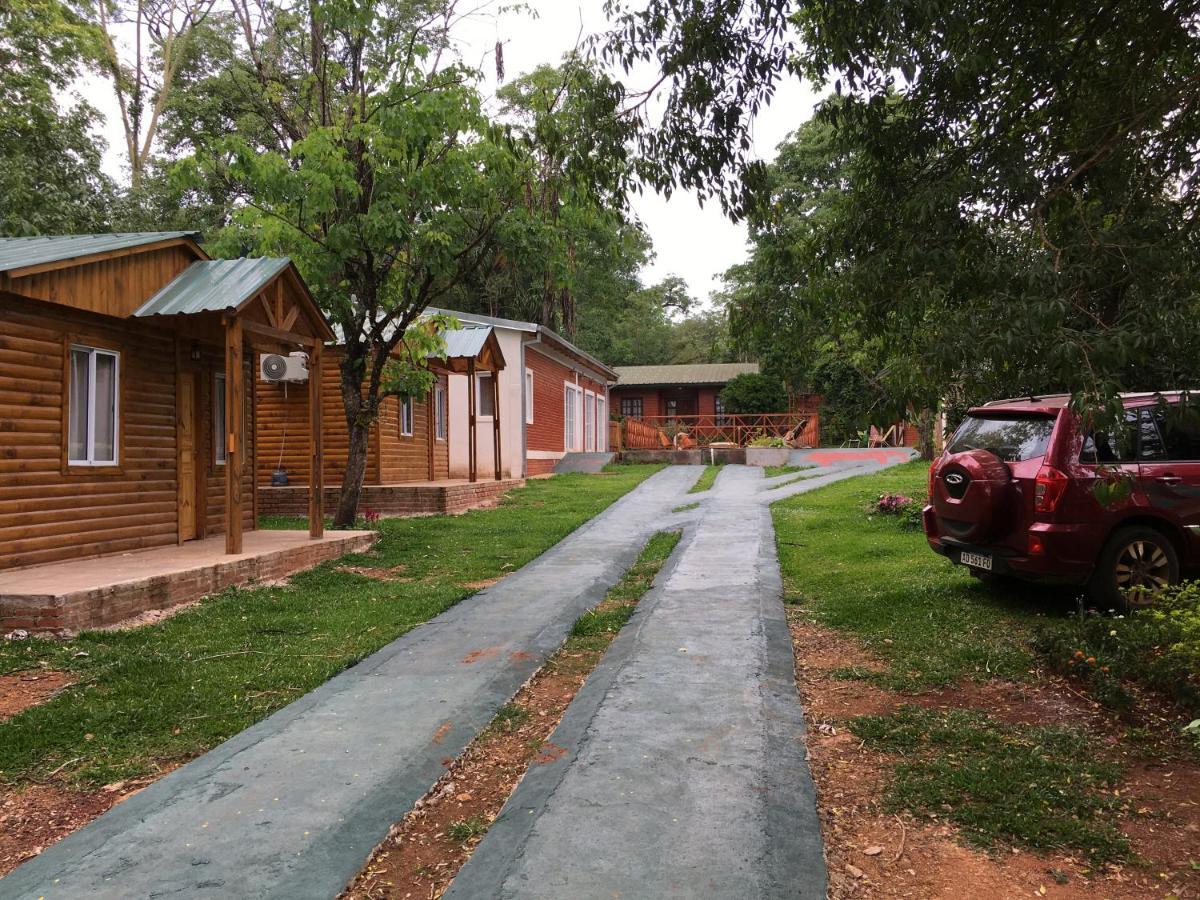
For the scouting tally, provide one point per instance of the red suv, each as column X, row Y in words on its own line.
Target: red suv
column 1015, row 493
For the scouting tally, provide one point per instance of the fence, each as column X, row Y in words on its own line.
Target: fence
column 726, row 428
column 633, row 434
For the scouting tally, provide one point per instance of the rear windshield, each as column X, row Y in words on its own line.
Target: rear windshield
column 1011, row 437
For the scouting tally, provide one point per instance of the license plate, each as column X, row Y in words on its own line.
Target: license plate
column 976, row 560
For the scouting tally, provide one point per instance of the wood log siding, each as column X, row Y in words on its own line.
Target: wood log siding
column 391, row 458
column 50, row 511
column 112, row 287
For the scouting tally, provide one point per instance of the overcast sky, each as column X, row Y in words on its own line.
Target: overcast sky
column 697, row 243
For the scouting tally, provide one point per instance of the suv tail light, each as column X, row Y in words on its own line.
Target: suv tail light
column 933, row 470
column 1049, row 488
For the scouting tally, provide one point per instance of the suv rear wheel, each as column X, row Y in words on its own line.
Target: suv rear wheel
column 1137, row 562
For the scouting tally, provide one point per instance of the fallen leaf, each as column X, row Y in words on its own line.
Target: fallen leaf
column 873, row 851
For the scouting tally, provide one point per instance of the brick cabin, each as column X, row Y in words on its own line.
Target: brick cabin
column 558, row 396
column 682, row 390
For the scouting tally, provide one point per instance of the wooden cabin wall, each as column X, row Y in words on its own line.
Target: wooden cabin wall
column 48, row 513
column 112, row 287
column 404, row 458
column 283, row 429
column 213, row 364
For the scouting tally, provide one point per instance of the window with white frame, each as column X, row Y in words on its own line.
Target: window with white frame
column 601, row 424
column 571, row 417
column 485, row 400
column 219, row 421
column 529, row 396
column 589, row 421
column 406, row 416
column 94, row 407
column 439, row 411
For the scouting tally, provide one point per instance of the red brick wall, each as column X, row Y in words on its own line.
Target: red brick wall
column 651, row 405
column 546, row 432
column 392, row 500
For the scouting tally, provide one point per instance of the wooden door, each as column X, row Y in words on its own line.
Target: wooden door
column 186, row 411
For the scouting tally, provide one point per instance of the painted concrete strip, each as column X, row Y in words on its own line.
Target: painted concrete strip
column 293, row 806
column 684, row 771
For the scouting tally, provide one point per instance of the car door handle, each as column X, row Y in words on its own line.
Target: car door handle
column 1169, row 479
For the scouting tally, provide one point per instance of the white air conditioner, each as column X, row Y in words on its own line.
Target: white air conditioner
column 274, row 367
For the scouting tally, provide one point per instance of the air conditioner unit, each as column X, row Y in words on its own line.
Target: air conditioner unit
column 276, row 368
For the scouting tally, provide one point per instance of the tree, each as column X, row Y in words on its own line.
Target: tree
column 1023, row 178
column 754, row 393
column 144, row 81
column 375, row 170
column 50, row 173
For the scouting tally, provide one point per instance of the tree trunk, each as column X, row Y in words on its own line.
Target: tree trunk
column 352, row 478
column 358, row 422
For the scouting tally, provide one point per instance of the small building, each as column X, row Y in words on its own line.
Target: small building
column 126, row 424
column 559, row 394
column 674, row 391
column 408, row 456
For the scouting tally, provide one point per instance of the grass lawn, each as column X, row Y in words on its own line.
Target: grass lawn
column 773, row 471
column 166, row 692
column 707, row 477
column 932, row 625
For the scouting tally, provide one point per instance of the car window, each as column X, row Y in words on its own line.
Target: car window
column 1178, row 432
column 1114, row 444
column 1013, row 438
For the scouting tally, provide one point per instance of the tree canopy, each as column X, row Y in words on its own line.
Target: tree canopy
column 1018, row 195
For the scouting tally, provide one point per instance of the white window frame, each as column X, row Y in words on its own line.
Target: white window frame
column 440, row 413
column 406, row 416
column 601, row 423
column 529, row 396
column 480, row 377
column 220, row 422
column 90, row 459
column 571, row 435
column 589, row 421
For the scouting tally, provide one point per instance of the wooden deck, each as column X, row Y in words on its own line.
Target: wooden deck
column 77, row 594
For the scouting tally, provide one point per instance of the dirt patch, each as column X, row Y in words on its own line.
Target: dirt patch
column 480, row 585
column 379, row 573
column 873, row 853
column 20, row 691
column 476, row 655
column 34, row 817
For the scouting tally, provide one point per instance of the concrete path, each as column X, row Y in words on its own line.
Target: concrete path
column 684, row 772
column 293, row 806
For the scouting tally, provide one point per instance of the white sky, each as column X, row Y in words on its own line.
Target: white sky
column 697, row 243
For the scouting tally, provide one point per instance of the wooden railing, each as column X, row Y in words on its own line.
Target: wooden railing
column 734, row 429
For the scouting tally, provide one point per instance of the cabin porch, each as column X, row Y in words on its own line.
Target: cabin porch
column 86, row 593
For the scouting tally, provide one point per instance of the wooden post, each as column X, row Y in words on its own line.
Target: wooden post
column 496, row 421
column 430, row 425
column 235, row 427
column 471, row 438
column 316, row 465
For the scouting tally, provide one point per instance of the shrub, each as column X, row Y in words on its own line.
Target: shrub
column 754, row 393
column 907, row 510
column 767, row 441
column 1157, row 648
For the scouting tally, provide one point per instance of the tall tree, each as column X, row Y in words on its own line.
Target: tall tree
column 50, row 155
column 143, row 75
column 1024, row 177
column 374, row 168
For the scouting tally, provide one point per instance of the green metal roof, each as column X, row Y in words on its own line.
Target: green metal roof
column 466, row 342
column 698, row 373
column 22, row 252
column 213, row 285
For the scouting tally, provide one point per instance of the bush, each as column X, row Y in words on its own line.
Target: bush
column 1157, row 648
column 905, row 509
column 768, row 441
column 754, row 393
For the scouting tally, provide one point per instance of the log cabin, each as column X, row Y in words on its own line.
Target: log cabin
column 126, row 420
column 408, row 456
